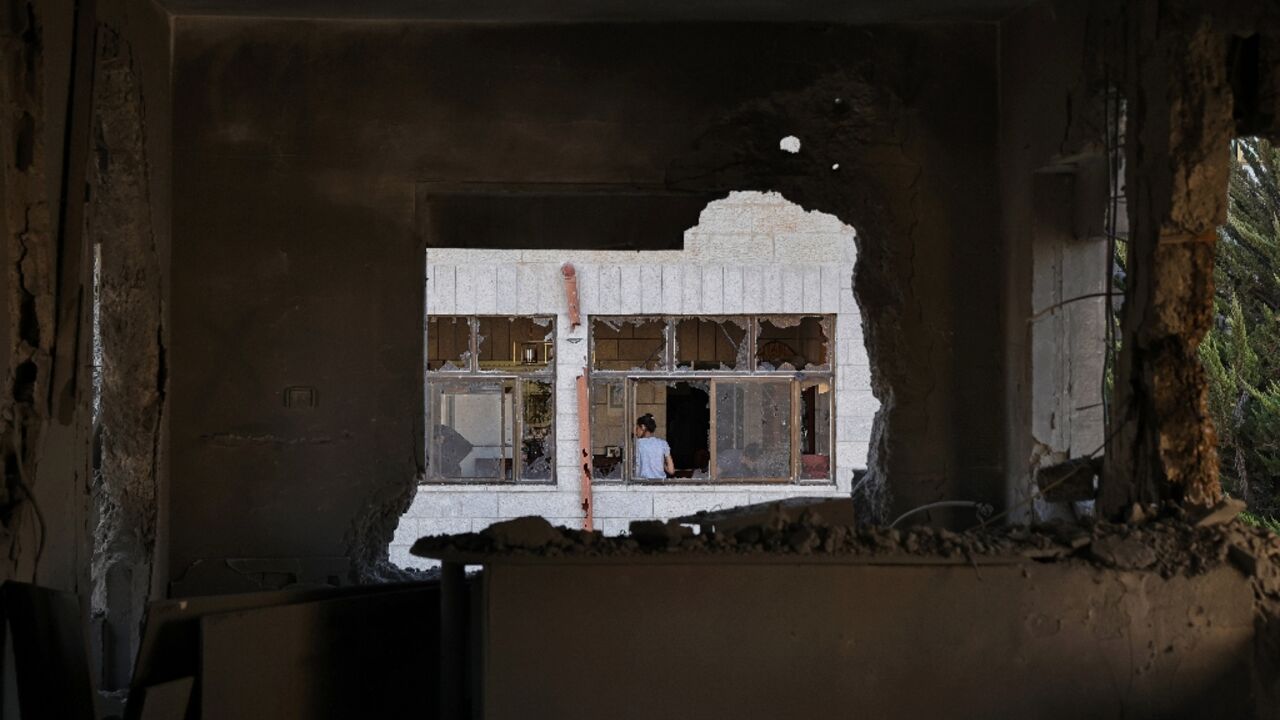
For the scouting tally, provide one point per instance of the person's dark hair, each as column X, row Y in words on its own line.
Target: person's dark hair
column 647, row 422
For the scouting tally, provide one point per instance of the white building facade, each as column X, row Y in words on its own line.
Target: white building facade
column 746, row 346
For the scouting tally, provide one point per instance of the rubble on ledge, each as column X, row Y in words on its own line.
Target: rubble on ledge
column 1165, row 541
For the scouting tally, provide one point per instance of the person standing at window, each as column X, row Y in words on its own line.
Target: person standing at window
column 653, row 454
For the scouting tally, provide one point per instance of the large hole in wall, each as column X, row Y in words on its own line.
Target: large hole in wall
column 745, row 347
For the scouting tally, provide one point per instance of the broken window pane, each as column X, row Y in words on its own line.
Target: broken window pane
column 537, row 444
column 628, row 343
column 712, row 344
column 470, row 430
column 610, row 428
column 793, row 343
column 515, row 343
column 753, row 433
column 448, row 343
column 815, row 429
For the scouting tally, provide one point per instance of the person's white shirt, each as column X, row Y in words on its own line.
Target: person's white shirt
column 651, row 455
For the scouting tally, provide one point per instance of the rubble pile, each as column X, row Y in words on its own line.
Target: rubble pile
column 1165, row 541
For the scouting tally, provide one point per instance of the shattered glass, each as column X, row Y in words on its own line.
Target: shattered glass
column 712, row 344
column 490, row 429
column 793, row 342
column 470, row 430
column 610, row 429
column 448, row 343
column 515, row 344
column 628, row 343
column 753, row 433
column 815, row 429
column 537, row 443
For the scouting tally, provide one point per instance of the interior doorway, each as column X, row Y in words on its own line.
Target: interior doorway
column 688, row 427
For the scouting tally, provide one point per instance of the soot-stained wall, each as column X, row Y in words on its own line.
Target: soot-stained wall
column 299, row 146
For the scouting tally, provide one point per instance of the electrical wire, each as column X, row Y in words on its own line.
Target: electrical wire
column 982, row 509
column 35, row 506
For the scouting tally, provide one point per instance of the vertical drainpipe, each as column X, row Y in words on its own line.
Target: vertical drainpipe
column 584, row 408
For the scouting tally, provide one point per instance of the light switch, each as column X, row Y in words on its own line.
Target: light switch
column 300, row 396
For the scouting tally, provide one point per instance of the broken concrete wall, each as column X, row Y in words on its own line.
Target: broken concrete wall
column 297, row 148
column 879, row 147
column 1177, row 159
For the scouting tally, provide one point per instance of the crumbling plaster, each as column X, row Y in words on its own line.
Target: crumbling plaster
column 43, row 496
column 53, row 212
column 129, row 224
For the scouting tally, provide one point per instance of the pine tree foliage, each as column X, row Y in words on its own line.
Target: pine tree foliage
column 1241, row 353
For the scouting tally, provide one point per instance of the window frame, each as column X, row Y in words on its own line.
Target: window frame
column 669, row 374
column 515, row 377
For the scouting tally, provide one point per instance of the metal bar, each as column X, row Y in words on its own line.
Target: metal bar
column 713, row 470
column 628, row 413
column 473, row 343
column 72, row 248
column 795, row 415
column 584, row 445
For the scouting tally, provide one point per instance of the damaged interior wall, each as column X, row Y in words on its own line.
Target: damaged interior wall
column 313, row 166
column 43, row 498
column 297, row 148
column 1045, row 160
column 297, row 412
column 71, row 177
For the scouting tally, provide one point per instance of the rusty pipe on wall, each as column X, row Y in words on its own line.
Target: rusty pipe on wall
column 571, row 293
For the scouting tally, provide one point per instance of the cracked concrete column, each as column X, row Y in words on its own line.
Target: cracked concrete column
column 133, row 374
column 1162, row 444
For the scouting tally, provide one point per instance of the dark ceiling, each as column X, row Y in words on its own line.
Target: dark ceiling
column 837, row 11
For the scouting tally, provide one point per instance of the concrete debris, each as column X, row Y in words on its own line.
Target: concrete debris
column 1244, row 560
column 658, row 533
column 1137, row 514
column 834, row 511
column 1071, row 481
column 1225, row 511
column 1125, row 552
column 529, row 533
column 1165, row 543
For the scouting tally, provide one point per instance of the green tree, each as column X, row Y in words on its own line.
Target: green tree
column 1241, row 353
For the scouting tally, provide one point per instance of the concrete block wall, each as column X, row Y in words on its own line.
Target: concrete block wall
column 750, row 253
